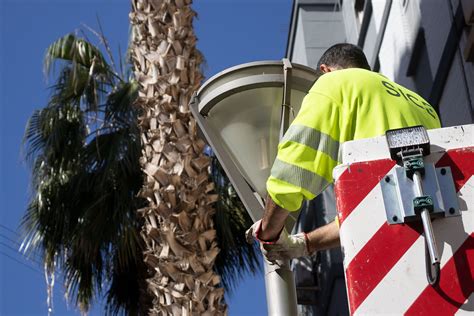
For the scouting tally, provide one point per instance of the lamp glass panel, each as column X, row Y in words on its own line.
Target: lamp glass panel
column 405, row 137
column 249, row 125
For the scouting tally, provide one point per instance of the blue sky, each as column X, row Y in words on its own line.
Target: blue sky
column 230, row 32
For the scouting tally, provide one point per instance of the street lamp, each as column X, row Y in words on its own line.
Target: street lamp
column 243, row 112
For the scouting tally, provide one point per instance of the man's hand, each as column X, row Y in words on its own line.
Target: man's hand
column 284, row 248
column 252, row 233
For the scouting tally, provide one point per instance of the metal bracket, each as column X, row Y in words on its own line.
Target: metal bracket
column 413, row 164
column 423, row 202
column 399, row 192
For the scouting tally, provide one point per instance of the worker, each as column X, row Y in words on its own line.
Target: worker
column 347, row 102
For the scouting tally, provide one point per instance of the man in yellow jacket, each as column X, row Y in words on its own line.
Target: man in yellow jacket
column 347, row 102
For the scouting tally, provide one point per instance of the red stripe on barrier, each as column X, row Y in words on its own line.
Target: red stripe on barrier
column 461, row 162
column 455, row 286
column 356, row 182
column 377, row 258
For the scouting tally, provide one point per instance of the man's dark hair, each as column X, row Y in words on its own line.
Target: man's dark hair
column 344, row 55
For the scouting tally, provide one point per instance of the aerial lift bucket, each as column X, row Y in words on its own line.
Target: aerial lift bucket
column 395, row 262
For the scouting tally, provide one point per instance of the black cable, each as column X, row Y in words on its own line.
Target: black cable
column 18, row 261
column 18, row 244
column 32, row 259
column 9, row 229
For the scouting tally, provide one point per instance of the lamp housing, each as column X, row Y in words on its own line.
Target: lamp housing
column 401, row 141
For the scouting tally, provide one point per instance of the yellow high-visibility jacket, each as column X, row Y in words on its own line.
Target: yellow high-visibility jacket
column 342, row 105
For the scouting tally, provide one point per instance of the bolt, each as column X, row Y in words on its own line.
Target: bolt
column 451, row 210
column 395, row 218
column 443, row 171
column 387, row 179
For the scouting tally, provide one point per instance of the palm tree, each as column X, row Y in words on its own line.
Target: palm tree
column 84, row 148
column 180, row 221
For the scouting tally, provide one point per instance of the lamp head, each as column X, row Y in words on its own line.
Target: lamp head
column 404, row 140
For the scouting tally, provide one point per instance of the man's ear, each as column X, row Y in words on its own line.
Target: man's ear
column 325, row 68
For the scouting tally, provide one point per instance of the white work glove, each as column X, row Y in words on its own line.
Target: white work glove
column 284, row 248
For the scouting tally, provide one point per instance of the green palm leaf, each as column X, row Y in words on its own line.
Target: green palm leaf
column 84, row 149
column 231, row 220
column 76, row 50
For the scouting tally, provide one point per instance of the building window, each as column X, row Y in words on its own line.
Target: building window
column 359, row 11
column 468, row 10
column 419, row 67
column 363, row 12
column 469, row 49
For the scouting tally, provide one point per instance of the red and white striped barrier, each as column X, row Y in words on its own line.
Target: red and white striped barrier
column 385, row 264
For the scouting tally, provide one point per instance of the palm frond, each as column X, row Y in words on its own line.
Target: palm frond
column 119, row 101
column 78, row 51
column 128, row 288
column 84, row 150
column 236, row 257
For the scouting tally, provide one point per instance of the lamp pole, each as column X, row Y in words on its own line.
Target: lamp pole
column 279, row 279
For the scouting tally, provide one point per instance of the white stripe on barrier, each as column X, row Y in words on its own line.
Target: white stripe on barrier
column 407, row 279
column 376, row 148
column 355, row 232
column 393, row 291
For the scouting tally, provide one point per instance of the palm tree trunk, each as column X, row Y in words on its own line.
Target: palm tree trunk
column 179, row 233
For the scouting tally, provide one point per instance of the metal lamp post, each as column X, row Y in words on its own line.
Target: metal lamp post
column 242, row 112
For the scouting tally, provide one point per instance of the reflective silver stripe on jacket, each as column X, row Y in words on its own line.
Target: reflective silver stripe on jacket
column 314, row 139
column 298, row 176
